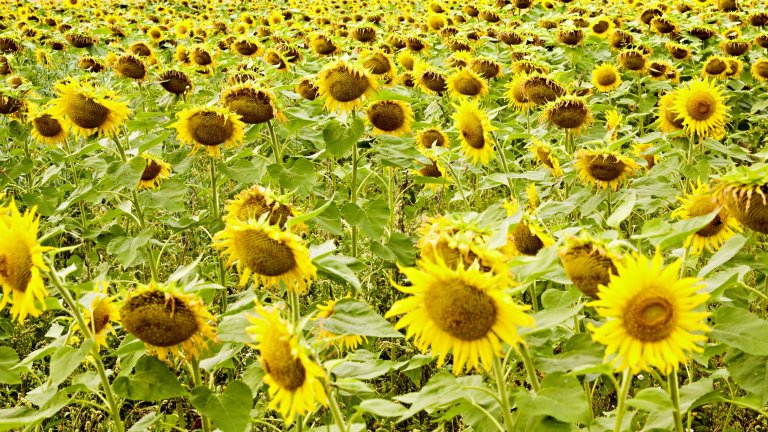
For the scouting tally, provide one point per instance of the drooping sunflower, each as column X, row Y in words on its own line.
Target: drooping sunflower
column 744, row 193
column 528, row 237
column 344, row 86
column 633, row 60
column 650, row 315
column 571, row 113
column 541, row 90
column 464, row 312
column 87, row 110
column 715, row 67
column 346, row 342
column 167, row 320
column 516, row 95
column 604, row 169
column 668, row 118
column 544, row 154
column 272, row 255
column 101, row 313
column 254, row 105
column 701, row 107
column 642, row 150
column 175, row 82
column 45, row 127
column 606, row 78
column 256, row 201
column 602, row 26
column 759, row 70
column 307, row 89
column 295, row 381
column 699, row 202
column 432, row 137
column 209, row 127
column 391, row 117
column 21, row 263
column 588, row 263
column 129, row 66
column 428, row 79
column 475, row 128
column 154, row 173
column 465, row 82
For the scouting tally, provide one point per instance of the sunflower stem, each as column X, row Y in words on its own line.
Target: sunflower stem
column 353, row 194
column 114, row 407
column 276, row 149
column 506, row 411
column 674, row 394
column 216, row 217
column 534, row 297
column 529, row 368
column 293, row 299
column 81, row 205
column 609, row 201
column 626, row 380
column 198, row 381
column 336, row 411
column 505, row 166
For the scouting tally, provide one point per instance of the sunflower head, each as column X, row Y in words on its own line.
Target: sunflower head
column 588, row 262
column 88, row 110
column 475, row 128
column 45, row 127
column 701, row 107
column 257, row 201
column 167, row 320
column 101, row 313
column 540, row 90
column 702, row 201
column 175, row 82
column 209, row 127
column 154, row 172
column 254, row 105
column 391, row 117
column 432, row 137
column 528, row 237
column 486, row 67
column 130, row 66
column 569, row 112
column 544, row 155
column 715, row 67
column 651, row 317
column 759, row 70
column 744, row 193
column 465, row 82
column 604, row 169
column 428, row 79
column 344, row 86
column 606, row 78
column 678, row 51
column 633, row 60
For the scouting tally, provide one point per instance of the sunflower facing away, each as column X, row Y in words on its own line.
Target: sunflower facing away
column 668, row 118
column 344, row 86
column 744, row 192
column 347, row 342
column 391, row 117
column 650, row 315
column 256, row 201
column 571, row 113
column 295, row 381
column 21, row 263
column 475, row 128
column 604, row 168
column 461, row 311
column 45, row 127
column 465, row 82
column 154, row 172
column 272, row 255
column 254, row 105
column 101, row 313
column 588, row 263
column 209, row 127
column 544, row 154
column 702, row 201
column 87, row 110
column 701, row 107
column 167, row 320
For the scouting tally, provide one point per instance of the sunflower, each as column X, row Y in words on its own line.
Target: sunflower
column 544, row 154
column 210, row 127
column 633, row 60
column 715, row 67
column 247, row 46
column 604, row 169
column 606, row 78
column 461, row 311
column 175, row 82
column 295, row 381
column 307, row 89
column 588, row 263
column 702, row 201
column 323, row 45
column 272, row 255
column 678, row 51
column 540, row 90
column 344, row 86
column 668, row 118
column 568, row 112
column 528, row 237
column 432, row 137
column 701, row 106
column 651, row 317
column 154, row 172
column 464, row 82
column 347, row 342
column 601, row 26
column 428, row 79
column 642, row 151
column 735, row 67
column 167, row 320
column 516, row 94
column 254, row 105
column 475, row 128
column 87, row 110
column 486, row 67
column 379, row 64
column 45, row 127
column 759, row 70
column 256, row 201
column 744, row 193
column 101, row 313
column 21, row 263
column 392, row 117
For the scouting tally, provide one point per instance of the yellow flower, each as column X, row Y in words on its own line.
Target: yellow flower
column 256, row 201
column 588, row 263
column 475, row 128
column 167, row 321
column 432, row 137
column 604, row 169
column 744, row 192
column 464, row 312
column 516, row 94
column 651, row 318
column 295, row 381
column 465, row 82
column 45, row 127
column 702, row 201
column 528, row 237
column 154, row 172
column 571, row 113
column 702, row 109
column 545, row 155
column 209, row 127
column 759, row 70
column 668, row 118
column 254, row 105
column 101, row 313
column 21, row 263
column 392, row 117
column 606, row 77
column 87, row 110
column 344, row 86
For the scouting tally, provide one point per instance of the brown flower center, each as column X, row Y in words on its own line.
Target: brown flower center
column 701, row 106
column 86, row 113
column 345, row 86
column 387, row 116
column 158, row 319
column 46, row 125
column 461, row 310
column 210, row 128
column 649, row 317
column 287, row 370
column 605, row 167
column 263, row 255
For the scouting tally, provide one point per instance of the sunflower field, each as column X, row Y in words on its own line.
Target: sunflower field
column 383, row 215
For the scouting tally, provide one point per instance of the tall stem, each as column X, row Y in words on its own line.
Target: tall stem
column 534, row 297
column 293, row 299
column 336, row 411
column 276, row 148
column 353, row 191
column 533, row 379
column 198, row 381
column 506, row 413
column 114, row 407
column 503, row 158
column 216, row 216
column 674, row 394
column 609, row 201
column 626, row 380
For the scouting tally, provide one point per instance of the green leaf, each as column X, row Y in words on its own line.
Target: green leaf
column 171, row 196
column 298, row 175
column 652, row 400
column 398, row 248
column 363, row 364
column 726, row 252
column 311, row 215
column 550, row 318
column 65, row 360
column 145, row 422
column 8, row 360
column 750, row 372
column 741, row 329
column 232, row 329
column 353, row 317
column 560, row 396
column 372, row 218
column 383, row 408
column 151, row 381
column 697, row 393
column 23, row 416
column 338, row 268
column 340, row 138
column 664, row 235
column 230, row 411
column 128, row 175
column 126, row 249
column 623, row 210
column 243, row 170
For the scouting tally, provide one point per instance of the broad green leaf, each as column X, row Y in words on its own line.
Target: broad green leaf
column 232, row 328
column 151, row 381
column 298, row 174
column 560, row 396
column 726, row 252
column 340, row 138
column 664, row 235
column 230, row 410
column 697, row 393
column 23, row 416
column 549, row 318
column 383, row 408
column 652, row 399
column 171, row 196
column 442, row 390
column 371, row 218
column 8, row 360
column 221, row 358
column 338, row 267
column 145, row 422
column 243, row 171
column 750, row 372
column 363, row 364
column 353, row 317
column 65, row 360
column 623, row 210
column 741, row 329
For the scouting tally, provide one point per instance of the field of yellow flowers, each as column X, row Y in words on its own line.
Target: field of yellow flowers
column 383, row 215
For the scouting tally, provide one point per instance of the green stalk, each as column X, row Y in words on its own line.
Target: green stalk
column 533, row 379
column 217, row 216
column 293, row 300
column 276, row 148
column 114, row 407
column 338, row 418
column 674, row 394
column 197, row 379
column 626, row 380
column 506, row 411
column 534, row 297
